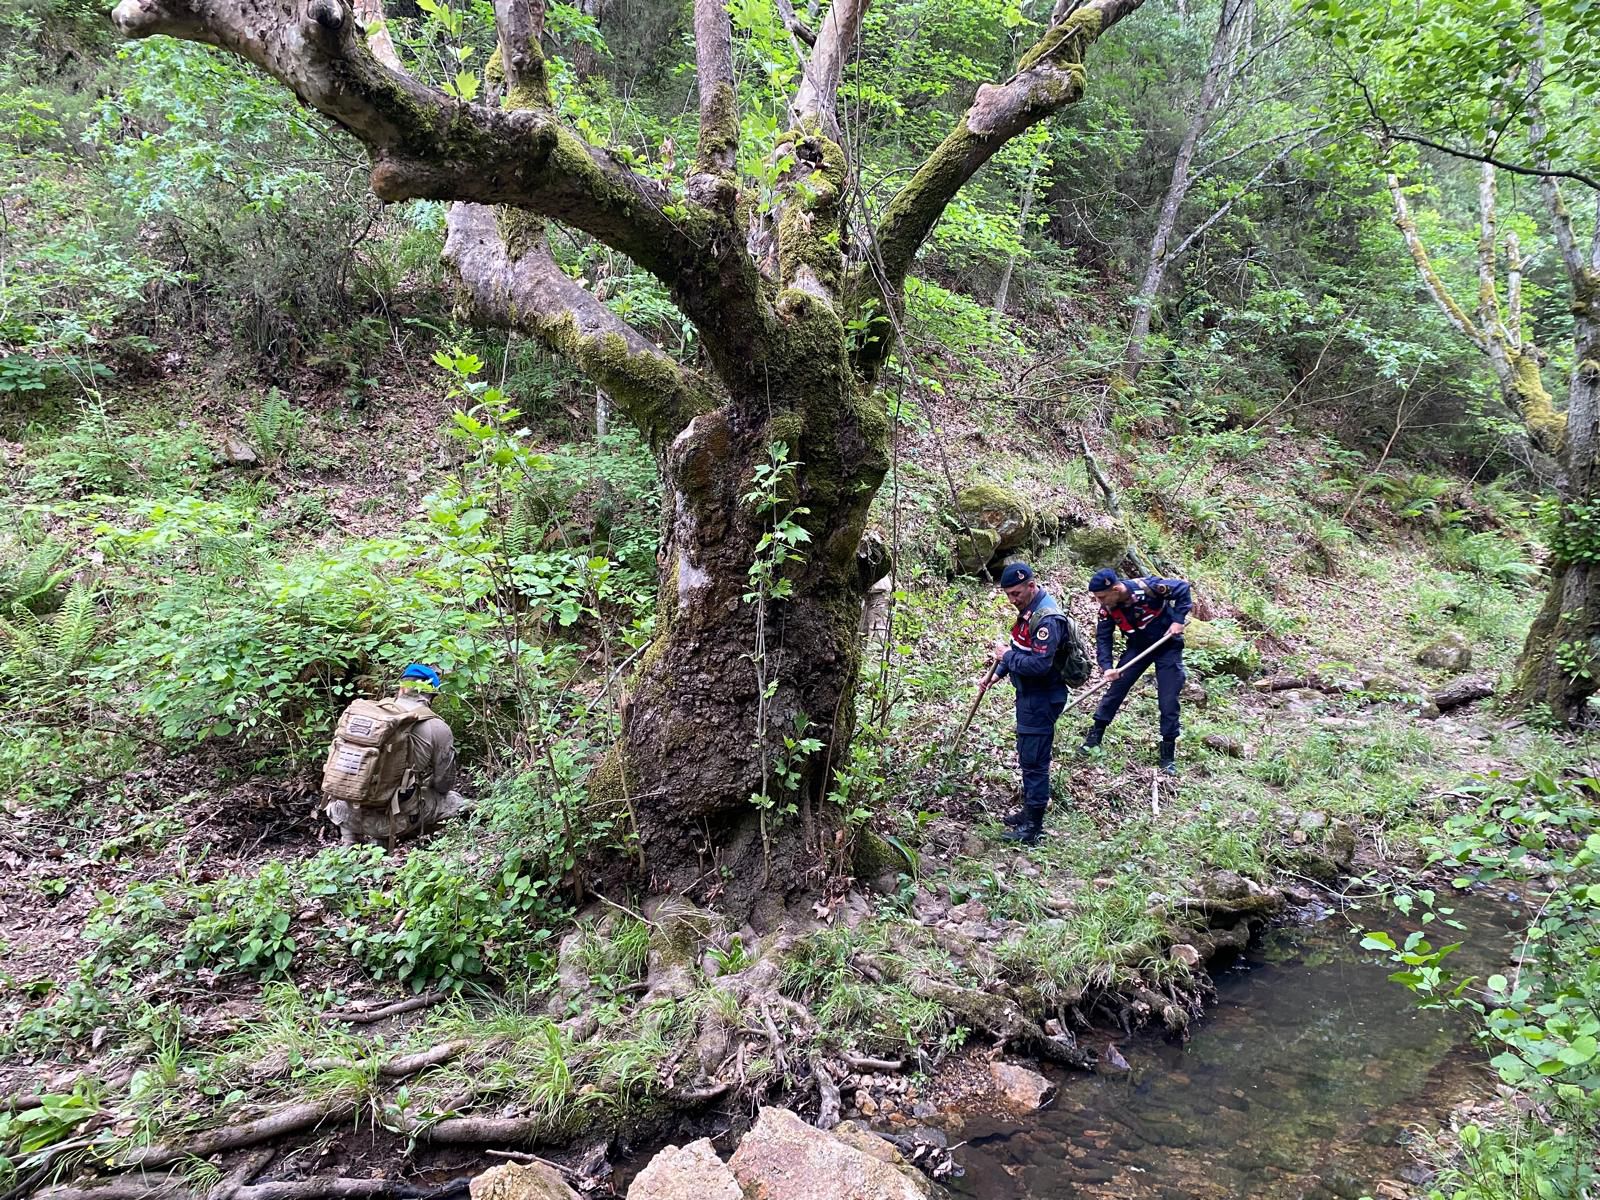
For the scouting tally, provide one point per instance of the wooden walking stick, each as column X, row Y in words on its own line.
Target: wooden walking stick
column 1137, row 658
column 988, row 682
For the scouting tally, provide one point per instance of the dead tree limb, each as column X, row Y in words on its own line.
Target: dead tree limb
column 367, row 1016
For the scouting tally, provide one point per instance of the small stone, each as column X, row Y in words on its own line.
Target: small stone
column 1313, row 820
column 1019, row 1087
column 1182, row 952
column 1223, row 744
column 237, row 452
column 867, row 1105
column 1452, row 653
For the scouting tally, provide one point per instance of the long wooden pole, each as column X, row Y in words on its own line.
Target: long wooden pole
column 1137, row 658
column 983, row 688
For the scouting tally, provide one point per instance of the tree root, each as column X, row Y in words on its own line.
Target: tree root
column 401, row 1065
column 858, row 1062
column 175, row 1187
column 161, row 1187
column 294, row 1119
column 1002, row 1019
column 1257, row 904
column 368, row 1016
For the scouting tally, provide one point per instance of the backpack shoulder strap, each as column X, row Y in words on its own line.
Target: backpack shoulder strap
column 1048, row 608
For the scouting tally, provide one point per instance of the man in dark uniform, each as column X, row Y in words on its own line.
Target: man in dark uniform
column 1145, row 610
column 1030, row 659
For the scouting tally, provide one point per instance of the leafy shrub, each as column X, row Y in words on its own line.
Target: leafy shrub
column 31, row 578
column 1488, row 554
column 105, row 455
column 443, row 923
column 276, row 428
column 243, row 925
column 39, row 656
column 1545, row 1021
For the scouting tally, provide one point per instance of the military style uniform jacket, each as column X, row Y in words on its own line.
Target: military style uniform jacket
column 1153, row 605
column 433, row 750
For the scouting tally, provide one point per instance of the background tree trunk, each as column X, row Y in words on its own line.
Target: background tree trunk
column 1560, row 665
column 1157, row 260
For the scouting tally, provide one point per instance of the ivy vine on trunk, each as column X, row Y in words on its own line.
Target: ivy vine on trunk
column 795, row 314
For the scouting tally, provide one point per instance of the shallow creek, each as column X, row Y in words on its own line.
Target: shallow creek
column 1302, row 1081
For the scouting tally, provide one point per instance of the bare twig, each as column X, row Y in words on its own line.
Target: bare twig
column 370, row 1015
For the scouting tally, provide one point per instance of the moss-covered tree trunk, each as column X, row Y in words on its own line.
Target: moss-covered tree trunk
column 795, row 310
column 1499, row 331
column 694, row 761
column 1560, row 666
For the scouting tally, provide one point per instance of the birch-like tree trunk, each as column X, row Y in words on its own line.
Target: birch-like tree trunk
column 1002, row 291
column 793, row 346
column 1157, row 258
column 1500, row 334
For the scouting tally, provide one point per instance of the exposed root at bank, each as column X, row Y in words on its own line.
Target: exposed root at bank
column 760, row 1037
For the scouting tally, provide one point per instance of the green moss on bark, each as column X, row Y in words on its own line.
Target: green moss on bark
column 1066, row 41
column 1546, row 426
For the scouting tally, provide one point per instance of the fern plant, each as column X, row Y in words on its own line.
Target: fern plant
column 275, row 429
column 33, row 582
column 41, row 655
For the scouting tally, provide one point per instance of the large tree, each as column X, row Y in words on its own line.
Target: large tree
column 796, row 310
column 1561, row 660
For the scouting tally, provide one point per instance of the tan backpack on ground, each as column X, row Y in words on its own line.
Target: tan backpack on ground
column 369, row 763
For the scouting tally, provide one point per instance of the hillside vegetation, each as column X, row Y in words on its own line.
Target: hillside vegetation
column 261, row 446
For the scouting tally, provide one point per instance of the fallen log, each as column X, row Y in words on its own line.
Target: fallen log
column 1462, row 691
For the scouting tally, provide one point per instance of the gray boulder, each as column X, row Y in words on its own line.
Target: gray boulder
column 783, row 1158
column 1452, row 653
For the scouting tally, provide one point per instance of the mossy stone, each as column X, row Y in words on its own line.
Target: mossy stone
column 999, row 509
column 873, row 855
column 973, row 551
column 1098, row 545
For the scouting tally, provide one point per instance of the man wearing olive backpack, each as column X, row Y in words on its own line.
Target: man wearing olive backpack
column 391, row 770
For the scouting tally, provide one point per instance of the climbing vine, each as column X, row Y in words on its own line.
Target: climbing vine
column 770, row 498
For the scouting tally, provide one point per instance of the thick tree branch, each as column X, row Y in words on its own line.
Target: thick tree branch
column 1582, row 275
column 519, row 25
column 376, row 27
column 797, row 28
column 523, row 286
column 1453, row 312
column 817, row 97
column 714, row 183
column 1049, row 77
column 424, row 144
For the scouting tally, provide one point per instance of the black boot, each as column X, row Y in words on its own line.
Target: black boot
column 1015, row 820
column 1028, row 831
column 1169, row 755
column 1093, row 737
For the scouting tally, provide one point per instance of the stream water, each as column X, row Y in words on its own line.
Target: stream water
column 1299, row 1084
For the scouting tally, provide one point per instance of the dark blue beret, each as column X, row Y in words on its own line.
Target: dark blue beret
column 1015, row 573
column 1102, row 579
